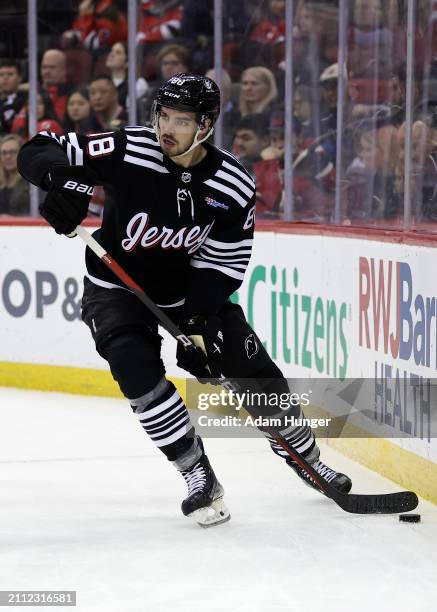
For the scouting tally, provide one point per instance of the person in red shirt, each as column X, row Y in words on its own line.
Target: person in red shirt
column 270, row 29
column 313, row 175
column 99, row 25
column 46, row 119
column 160, row 20
column 269, row 171
column 54, row 80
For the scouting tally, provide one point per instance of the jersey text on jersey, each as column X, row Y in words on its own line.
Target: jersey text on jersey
column 138, row 231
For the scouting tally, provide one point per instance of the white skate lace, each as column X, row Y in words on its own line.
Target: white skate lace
column 195, row 478
column 324, row 471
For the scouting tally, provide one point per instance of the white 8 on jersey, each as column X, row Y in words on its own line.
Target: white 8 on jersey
column 101, row 146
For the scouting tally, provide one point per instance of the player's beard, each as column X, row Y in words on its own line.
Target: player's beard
column 172, row 147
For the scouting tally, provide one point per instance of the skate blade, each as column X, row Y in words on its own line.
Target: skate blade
column 215, row 514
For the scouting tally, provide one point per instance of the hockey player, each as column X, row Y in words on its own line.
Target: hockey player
column 181, row 224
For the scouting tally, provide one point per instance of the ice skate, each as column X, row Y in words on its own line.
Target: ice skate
column 340, row 481
column 205, row 495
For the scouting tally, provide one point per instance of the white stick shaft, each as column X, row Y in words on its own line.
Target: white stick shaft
column 89, row 241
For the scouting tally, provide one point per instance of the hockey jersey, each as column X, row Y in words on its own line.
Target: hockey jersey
column 184, row 234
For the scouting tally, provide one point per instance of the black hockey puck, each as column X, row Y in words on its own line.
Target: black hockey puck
column 409, row 518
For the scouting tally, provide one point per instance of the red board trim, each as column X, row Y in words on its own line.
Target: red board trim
column 421, row 237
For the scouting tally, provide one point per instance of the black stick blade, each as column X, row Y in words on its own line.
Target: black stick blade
column 389, row 503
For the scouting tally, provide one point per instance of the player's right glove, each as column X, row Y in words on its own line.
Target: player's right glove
column 70, row 190
column 206, row 334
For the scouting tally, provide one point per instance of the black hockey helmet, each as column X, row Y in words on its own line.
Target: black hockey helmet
column 192, row 93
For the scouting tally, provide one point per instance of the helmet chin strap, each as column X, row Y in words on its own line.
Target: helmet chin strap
column 195, row 142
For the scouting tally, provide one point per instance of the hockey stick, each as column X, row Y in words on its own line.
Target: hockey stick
column 386, row 503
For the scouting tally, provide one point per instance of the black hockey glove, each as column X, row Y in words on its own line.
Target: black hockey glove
column 70, row 191
column 206, row 361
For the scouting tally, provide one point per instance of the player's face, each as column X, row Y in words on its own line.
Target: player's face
column 177, row 130
column 9, row 79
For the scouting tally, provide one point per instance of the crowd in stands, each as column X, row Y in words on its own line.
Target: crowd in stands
column 83, row 87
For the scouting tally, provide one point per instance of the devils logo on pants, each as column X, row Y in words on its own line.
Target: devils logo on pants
column 251, row 346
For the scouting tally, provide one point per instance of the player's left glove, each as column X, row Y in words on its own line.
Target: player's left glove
column 206, row 334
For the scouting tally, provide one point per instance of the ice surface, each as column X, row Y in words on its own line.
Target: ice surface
column 89, row 504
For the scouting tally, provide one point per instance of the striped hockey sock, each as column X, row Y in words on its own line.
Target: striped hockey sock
column 301, row 438
column 164, row 417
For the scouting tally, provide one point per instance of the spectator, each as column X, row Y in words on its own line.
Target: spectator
column 302, row 65
column 313, row 176
column 98, row 26
column 328, row 86
column 12, row 99
column 308, row 19
column 197, row 31
column 77, row 116
column 313, row 180
column 370, row 62
column 399, row 184
column 53, row 75
column 276, row 147
column 229, row 112
column 160, row 20
column 250, row 139
column 304, row 111
column 269, row 171
column 370, row 192
column 117, row 64
column 258, row 91
column 14, row 190
column 107, row 113
column 269, row 31
column 317, row 25
column 397, row 93
column 45, row 115
column 328, row 109
column 423, row 169
column 171, row 59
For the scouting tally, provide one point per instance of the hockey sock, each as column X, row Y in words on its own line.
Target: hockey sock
column 300, row 437
column 165, row 419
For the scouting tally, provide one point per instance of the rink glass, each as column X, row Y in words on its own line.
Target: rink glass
column 377, row 170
